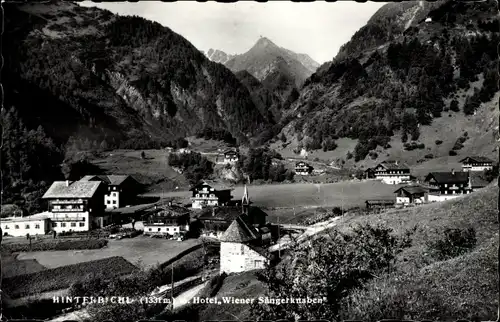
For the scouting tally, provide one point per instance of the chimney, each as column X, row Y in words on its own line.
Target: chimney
column 67, row 183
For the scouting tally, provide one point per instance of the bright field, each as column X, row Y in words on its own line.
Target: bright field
column 138, row 251
column 303, row 195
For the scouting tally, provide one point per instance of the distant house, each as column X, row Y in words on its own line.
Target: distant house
column 448, row 185
column 38, row 224
column 207, row 194
column 411, row 195
column 76, row 206
column 369, row 173
column 392, row 172
column 243, row 247
column 216, row 221
column 171, row 220
column 230, row 157
column 122, row 189
column 302, row 168
column 476, row 163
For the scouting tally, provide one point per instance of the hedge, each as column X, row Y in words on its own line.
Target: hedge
column 62, row 277
column 59, row 245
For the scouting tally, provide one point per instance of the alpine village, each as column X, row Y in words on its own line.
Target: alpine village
column 142, row 178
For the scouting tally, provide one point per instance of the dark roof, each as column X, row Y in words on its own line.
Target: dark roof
column 170, row 211
column 478, row 159
column 230, row 151
column 113, row 180
column 413, row 189
column 216, row 186
column 449, row 177
column 394, row 165
column 77, row 189
column 297, row 164
column 369, row 169
column 239, row 232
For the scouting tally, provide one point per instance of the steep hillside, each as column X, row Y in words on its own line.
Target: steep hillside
column 116, row 78
column 218, row 56
column 402, row 78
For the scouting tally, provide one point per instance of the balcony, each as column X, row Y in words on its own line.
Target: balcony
column 68, row 219
column 68, row 202
column 54, row 210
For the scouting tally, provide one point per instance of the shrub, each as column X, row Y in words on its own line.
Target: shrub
column 429, row 156
column 63, row 277
column 452, row 153
column 213, row 287
column 57, row 245
column 455, row 242
column 438, row 142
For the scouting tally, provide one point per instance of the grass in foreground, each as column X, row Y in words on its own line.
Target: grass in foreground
column 63, row 277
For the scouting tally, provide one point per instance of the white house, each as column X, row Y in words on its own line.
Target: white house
column 392, row 172
column 240, row 248
column 476, row 163
column 411, row 195
column 76, row 206
column 167, row 220
column 230, row 157
column 122, row 189
column 302, row 168
column 448, row 185
column 207, row 194
column 38, row 224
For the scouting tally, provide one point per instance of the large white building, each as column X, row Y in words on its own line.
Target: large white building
column 38, row 224
column 475, row 163
column 241, row 248
column 448, row 185
column 167, row 220
column 411, row 195
column 209, row 195
column 76, row 206
column 392, row 172
column 121, row 189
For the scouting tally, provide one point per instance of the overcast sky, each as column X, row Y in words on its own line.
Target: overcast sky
column 317, row 28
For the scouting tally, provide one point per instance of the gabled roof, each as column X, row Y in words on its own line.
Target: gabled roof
column 478, row 159
column 77, row 189
column 230, row 152
column 216, row 186
column 239, row 232
column 393, row 165
column 413, row 189
column 113, row 180
column 448, row 177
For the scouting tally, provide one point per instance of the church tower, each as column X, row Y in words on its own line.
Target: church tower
column 245, row 201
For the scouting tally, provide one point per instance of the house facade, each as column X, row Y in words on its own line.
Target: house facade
column 21, row 226
column 167, row 220
column 76, row 206
column 411, row 195
column 476, row 163
column 122, row 189
column 392, row 172
column 448, row 185
column 207, row 195
column 230, row 157
column 302, row 168
column 242, row 248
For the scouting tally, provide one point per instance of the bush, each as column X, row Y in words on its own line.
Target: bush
column 429, row 156
column 455, row 242
column 452, row 153
column 213, row 287
column 56, row 245
column 63, row 277
column 438, row 142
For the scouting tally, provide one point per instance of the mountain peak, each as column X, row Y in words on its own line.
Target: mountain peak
column 264, row 42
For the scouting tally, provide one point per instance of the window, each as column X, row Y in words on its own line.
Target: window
column 108, row 202
column 257, row 263
column 159, row 229
column 37, row 226
column 115, row 194
column 168, row 228
column 54, row 224
column 81, row 224
column 16, row 227
column 114, row 202
column 27, row 226
column 150, row 229
column 63, row 224
column 242, row 249
column 73, row 224
column 6, row 227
